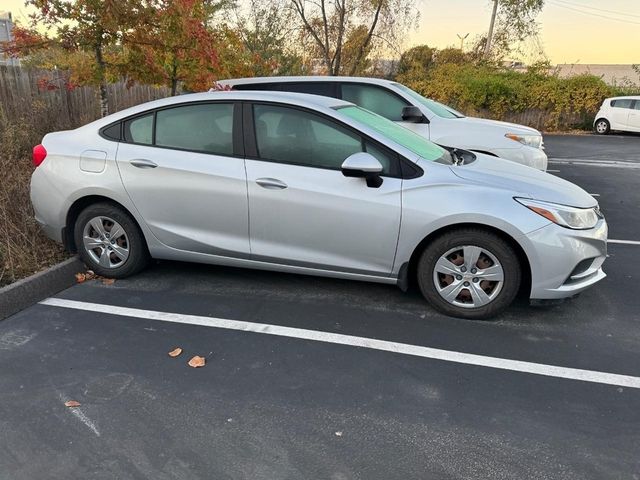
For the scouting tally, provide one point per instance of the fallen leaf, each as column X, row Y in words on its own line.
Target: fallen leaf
column 108, row 281
column 175, row 352
column 196, row 362
column 80, row 277
column 71, row 403
column 338, row 434
column 90, row 274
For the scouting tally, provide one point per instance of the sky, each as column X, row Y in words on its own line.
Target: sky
column 572, row 31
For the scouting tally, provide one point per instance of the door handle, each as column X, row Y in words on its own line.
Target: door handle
column 271, row 183
column 143, row 163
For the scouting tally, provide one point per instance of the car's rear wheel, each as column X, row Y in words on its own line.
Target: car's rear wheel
column 602, row 126
column 469, row 273
column 109, row 241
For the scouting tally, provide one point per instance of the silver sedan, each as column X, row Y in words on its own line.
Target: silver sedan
column 314, row 185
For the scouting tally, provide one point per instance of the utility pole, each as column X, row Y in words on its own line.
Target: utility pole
column 462, row 38
column 487, row 47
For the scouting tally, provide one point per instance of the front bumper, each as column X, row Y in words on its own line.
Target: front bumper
column 529, row 156
column 565, row 262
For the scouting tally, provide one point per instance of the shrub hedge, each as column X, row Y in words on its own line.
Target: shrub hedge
column 488, row 90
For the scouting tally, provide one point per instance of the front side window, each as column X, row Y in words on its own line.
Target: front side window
column 439, row 109
column 139, row 130
column 621, row 103
column 376, row 99
column 637, row 105
column 203, row 128
column 289, row 135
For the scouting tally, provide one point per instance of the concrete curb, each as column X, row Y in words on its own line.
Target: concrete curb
column 24, row 293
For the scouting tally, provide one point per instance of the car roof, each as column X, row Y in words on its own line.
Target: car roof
column 625, row 97
column 297, row 99
column 312, row 78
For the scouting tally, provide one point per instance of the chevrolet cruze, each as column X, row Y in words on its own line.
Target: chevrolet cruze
column 314, row 185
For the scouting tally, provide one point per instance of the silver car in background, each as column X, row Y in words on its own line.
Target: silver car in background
column 313, row 185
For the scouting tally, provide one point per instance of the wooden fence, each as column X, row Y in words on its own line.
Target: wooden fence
column 21, row 87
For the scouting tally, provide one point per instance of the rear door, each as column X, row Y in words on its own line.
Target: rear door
column 634, row 117
column 303, row 210
column 620, row 109
column 185, row 175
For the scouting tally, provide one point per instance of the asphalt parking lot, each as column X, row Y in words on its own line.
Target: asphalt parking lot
column 318, row 378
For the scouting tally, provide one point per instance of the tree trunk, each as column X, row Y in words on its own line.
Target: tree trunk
column 367, row 40
column 104, row 102
column 174, row 78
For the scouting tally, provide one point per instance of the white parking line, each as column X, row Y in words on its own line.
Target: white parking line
column 363, row 342
column 595, row 163
column 624, row 242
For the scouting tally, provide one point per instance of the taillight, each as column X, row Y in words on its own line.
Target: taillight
column 39, row 154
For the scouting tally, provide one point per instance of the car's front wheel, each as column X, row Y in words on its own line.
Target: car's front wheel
column 469, row 273
column 602, row 127
column 109, row 241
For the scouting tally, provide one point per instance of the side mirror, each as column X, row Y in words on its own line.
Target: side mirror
column 363, row 165
column 413, row 114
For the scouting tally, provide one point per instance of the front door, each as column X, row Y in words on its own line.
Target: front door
column 303, row 211
column 185, row 180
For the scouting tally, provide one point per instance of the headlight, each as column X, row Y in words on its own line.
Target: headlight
column 534, row 141
column 569, row 217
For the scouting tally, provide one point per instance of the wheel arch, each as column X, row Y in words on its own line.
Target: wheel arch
column 78, row 206
column 408, row 273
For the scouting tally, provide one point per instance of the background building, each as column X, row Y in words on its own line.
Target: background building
column 6, row 34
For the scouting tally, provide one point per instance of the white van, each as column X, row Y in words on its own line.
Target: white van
column 437, row 122
column 618, row 113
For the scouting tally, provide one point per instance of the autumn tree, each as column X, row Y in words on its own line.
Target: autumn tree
column 178, row 44
column 90, row 26
column 358, row 25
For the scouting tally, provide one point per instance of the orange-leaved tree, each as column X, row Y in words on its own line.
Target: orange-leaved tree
column 94, row 27
column 178, row 45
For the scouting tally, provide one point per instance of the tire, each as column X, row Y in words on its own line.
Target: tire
column 486, row 296
column 108, row 258
column 602, row 126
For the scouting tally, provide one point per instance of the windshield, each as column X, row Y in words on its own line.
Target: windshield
column 401, row 135
column 437, row 108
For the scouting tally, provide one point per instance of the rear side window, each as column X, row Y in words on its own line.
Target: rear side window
column 326, row 89
column 256, row 86
column 376, row 99
column 203, row 128
column 621, row 103
column 139, row 130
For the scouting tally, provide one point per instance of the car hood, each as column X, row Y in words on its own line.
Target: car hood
column 506, row 126
column 523, row 181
